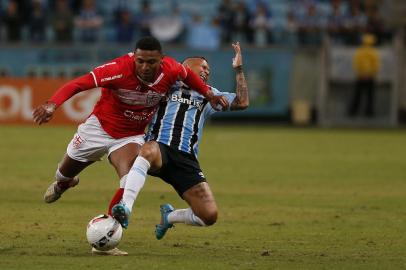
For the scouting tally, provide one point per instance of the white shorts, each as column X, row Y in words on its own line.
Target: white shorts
column 91, row 142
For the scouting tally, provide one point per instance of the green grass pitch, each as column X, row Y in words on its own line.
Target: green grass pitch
column 289, row 198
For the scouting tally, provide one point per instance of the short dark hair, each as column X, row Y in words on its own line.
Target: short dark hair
column 197, row 56
column 148, row 44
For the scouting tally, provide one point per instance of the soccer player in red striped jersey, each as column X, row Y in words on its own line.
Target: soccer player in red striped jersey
column 131, row 88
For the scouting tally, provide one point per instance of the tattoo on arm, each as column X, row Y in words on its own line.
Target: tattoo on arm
column 241, row 101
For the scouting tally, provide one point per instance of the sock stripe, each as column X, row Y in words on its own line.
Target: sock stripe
column 138, row 170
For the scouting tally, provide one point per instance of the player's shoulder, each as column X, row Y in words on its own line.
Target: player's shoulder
column 119, row 62
column 169, row 60
column 125, row 59
column 170, row 63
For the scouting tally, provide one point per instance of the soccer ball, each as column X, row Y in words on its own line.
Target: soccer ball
column 104, row 232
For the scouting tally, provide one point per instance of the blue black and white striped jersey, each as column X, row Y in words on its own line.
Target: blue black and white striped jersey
column 180, row 119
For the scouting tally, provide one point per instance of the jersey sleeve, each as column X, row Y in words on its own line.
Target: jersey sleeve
column 104, row 75
column 182, row 72
column 186, row 75
column 71, row 88
column 229, row 96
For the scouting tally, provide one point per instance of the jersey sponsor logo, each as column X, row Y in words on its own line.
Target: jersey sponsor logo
column 189, row 101
column 111, row 78
column 138, row 116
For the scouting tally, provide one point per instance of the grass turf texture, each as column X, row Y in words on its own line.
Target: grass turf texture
column 288, row 199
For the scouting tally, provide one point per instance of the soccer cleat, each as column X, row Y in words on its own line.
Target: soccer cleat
column 111, row 252
column 122, row 214
column 160, row 229
column 54, row 191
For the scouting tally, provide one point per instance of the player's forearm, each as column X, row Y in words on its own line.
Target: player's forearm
column 241, row 100
column 71, row 88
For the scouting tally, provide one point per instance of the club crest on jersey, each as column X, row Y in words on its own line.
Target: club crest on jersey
column 188, row 101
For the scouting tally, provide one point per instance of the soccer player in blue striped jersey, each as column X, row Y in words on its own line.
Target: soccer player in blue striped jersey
column 171, row 151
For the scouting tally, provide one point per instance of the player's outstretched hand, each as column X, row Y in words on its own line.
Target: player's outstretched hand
column 219, row 103
column 42, row 114
column 237, row 60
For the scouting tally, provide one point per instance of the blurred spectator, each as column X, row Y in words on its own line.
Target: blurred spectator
column 125, row 27
column 144, row 18
column 37, row 21
column 202, row 35
column 62, row 22
column 336, row 22
column 290, row 30
column 245, row 20
column 169, row 27
column 225, row 16
column 366, row 65
column 310, row 26
column 355, row 24
column 12, row 21
column 375, row 24
column 1, row 22
column 252, row 6
column 242, row 31
column 24, row 9
column 76, row 6
column 119, row 7
column 261, row 25
column 88, row 22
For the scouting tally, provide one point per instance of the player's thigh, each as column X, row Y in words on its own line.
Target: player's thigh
column 89, row 144
column 123, row 152
column 123, row 158
column 201, row 200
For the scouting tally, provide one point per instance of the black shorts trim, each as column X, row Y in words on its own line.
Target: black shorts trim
column 179, row 169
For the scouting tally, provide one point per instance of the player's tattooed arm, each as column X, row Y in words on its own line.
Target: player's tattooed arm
column 241, row 101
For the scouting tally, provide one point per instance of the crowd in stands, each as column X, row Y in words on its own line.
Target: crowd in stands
column 259, row 23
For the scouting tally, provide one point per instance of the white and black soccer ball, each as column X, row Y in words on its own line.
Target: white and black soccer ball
column 104, row 232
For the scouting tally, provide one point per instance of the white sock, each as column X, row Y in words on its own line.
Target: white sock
column 60, row 177
column 135, row 181
column 185, row 216
column 123, row 181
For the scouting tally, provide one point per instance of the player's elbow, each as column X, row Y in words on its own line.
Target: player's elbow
column 244, row 105
column 241, row 105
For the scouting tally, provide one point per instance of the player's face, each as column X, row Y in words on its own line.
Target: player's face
column 148, row 63
column 200, row 67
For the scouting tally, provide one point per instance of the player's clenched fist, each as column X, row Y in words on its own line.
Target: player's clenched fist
column 42, row 114
column 219, row 103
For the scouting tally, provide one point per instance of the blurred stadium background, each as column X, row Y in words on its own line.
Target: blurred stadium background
column 298, row 53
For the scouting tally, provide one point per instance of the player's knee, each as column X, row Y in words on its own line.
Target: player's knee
column 209, row 217
column 149, row 151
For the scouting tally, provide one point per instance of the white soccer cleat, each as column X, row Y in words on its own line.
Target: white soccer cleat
column 54, row 192
column 111, row 252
